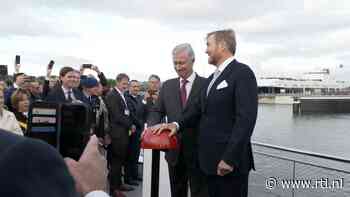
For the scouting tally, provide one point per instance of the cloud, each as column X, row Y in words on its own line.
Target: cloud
column 31, row 21
column 137, row 37
column 188, row 13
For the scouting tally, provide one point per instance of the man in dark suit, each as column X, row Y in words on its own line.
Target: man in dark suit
column 152, row 93
column 23, row 172
column 19, row 80
column 176, row 97
column 35, row 91
column 227, row 113
column 66, row 92
column 138, row 110
column 121, row 123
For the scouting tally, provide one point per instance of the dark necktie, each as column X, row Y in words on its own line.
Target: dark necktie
column 183, row 92
column 69, row 96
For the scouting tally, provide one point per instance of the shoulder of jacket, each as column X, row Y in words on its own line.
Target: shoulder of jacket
column 170, row 81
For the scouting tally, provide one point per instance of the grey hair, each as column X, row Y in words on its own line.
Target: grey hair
column 184, row 47
column 122, row 76
column 153, row 76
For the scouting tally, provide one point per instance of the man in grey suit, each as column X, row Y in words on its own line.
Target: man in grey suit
column 175, row 97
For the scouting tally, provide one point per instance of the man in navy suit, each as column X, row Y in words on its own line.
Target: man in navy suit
column 122, row 124
column 19, row 80
column 226, row 113
column 66, row 92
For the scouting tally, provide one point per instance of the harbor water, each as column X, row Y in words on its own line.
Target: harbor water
column 327, row 134
column 320, row 133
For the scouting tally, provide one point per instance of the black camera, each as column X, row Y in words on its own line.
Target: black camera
column 3, row 71
column 50, row 65
column 18, row 59
column 64, row 126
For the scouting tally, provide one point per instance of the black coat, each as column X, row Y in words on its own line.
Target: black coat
column 137, row 109
column 227, row 119
column 56, row 95
column 32, row 168
column 119, row 121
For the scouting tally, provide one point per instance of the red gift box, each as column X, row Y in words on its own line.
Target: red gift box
column 158, row 142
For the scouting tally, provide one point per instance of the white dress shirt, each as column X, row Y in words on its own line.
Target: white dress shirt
column 66, row 91
column 9, row 122
column 189, row 84
column 221, row 68
column 224, row 64
column 97, row 193
column 122, row 95
column 218, row 72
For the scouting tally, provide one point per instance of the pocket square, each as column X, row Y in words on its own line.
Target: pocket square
column 223, row 84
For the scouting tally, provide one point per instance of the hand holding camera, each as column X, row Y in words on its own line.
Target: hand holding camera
column 17, row 63
column 49, row 68
column 95, row 68
column 91, row 164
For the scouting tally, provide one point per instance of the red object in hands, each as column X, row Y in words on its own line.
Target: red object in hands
column 158, row 142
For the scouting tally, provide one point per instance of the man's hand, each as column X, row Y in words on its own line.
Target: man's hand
column 90, row 172
column 81, row 69
column 146, row 96
column 17, row 68
column 107, row 140
column 155, row 97
column 95, row 68
column 159, row 128
column 48, row 73
column 224, row 168
column 133, row 129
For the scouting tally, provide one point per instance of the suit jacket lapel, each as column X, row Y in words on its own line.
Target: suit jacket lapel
column 120, row 98
column 204, row 94
column 222, row 76
column 194, row 91
column 177, row 95
column 61, row 94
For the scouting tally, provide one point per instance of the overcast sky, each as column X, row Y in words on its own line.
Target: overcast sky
column 137, row 36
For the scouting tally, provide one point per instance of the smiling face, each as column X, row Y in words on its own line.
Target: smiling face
column 213, row 51
column 123, row 84
column 134, row 88
column 23, row 104
column 183, row 64
column 35, row 88
column 69, row 80
column 20, row 79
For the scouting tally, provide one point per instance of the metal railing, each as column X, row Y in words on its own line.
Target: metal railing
column 276, row 159
column 345, row 94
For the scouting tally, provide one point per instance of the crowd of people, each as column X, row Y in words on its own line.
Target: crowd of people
column 116, row 114
column 213, row 119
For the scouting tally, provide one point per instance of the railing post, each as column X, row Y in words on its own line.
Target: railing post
column 155, row 173
column 293, row 190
